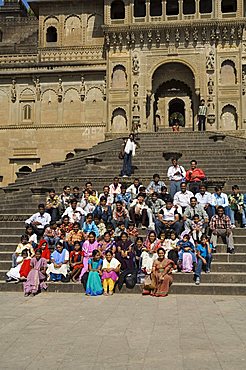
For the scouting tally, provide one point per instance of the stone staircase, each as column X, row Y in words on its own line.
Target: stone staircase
column 224, row 162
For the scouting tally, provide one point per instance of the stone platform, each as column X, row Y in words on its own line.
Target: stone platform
column 122, row 332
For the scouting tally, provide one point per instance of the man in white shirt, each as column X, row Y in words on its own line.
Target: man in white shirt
column 39, row 221
column 133, row 189
column 176, row 174
column 115, row 187
column 75, row 213
column 205, row 199
column 182, row 197
column 109, row 197
column 168, row 219
column 220, row 199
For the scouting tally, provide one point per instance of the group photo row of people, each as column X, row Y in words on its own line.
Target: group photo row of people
column 127, row 234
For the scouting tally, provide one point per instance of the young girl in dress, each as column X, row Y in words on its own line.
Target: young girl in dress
column 76, row 262
column 187, row 255
column 36, row 278
column 173, row 249
column 24, row 244
column 32, row 237
column 94, row 284
column 111, row 269
column 164, row 242
column 148, row 256
column 14, row 273
column 88, row 247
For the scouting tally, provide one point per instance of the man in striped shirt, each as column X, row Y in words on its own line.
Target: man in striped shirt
column 202, row 113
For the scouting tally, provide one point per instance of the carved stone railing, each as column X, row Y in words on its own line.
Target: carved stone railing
column 70, row 53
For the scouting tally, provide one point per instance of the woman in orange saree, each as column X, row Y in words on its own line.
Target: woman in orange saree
column 161, row 275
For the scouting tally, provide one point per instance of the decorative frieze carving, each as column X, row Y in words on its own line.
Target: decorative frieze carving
column 210, row 61
column 60, row 90
column 174, row 35
column 37, row 86
column 13, row 91
column 135, row 65
column 82, row 88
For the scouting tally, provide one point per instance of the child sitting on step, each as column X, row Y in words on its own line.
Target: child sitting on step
column 204, row 257
column 187, row 255
column 24, row 244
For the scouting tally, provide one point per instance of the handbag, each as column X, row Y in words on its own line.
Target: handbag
column 122, row 151
column 148, row 283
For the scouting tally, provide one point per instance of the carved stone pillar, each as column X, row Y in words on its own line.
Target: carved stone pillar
column 164, row 9
column 181, row 15
column 147, row 10
column 197, row 9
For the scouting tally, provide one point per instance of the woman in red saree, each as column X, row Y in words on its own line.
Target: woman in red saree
column 161, row 275
column 36, row 278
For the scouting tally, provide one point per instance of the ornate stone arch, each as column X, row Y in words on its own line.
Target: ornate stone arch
column 192, row 67
column 119, row 76
column 93, row 26
column 72, row 16
column 228, row 72
column 46, row 90
column 229, row 117
column 4, row 92
column 4, row 105
column 119, row 120
column 51, row 17
column 69, row 90
column 95, row 90
column 49, row 106
column 27, row 94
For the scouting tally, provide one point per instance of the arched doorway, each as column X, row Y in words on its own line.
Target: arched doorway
column 174, row 95
column 176, row 112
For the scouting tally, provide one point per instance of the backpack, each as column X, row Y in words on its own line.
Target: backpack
column 131, row 280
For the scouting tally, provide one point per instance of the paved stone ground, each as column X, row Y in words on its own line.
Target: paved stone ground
column 65, row 331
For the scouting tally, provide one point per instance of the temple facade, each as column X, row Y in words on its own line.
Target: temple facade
column 75, row 72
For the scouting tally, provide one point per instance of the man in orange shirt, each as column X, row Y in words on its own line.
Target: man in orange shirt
column 194, row 176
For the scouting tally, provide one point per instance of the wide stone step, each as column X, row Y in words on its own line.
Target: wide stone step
column 12, row 230
column 227, row 257
column 10, row 238
column 176, row 288
column 229, row 267
column 217, row 266
column 212, row 277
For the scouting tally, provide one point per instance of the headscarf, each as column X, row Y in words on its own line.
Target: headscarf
column 152, row 246
column 45, row 251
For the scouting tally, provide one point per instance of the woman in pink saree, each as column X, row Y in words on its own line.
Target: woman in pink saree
column 37, row 276
column 161, row 274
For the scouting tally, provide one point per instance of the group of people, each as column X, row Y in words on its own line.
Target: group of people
column 97, row 238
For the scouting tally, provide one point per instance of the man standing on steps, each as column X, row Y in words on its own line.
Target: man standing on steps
column 220, row 225
column 39, row 221
column 176, row 175
column 202, row 114
column 129, row 152
column 194, row 176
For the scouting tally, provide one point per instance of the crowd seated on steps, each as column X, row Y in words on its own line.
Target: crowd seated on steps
column 128, row 233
